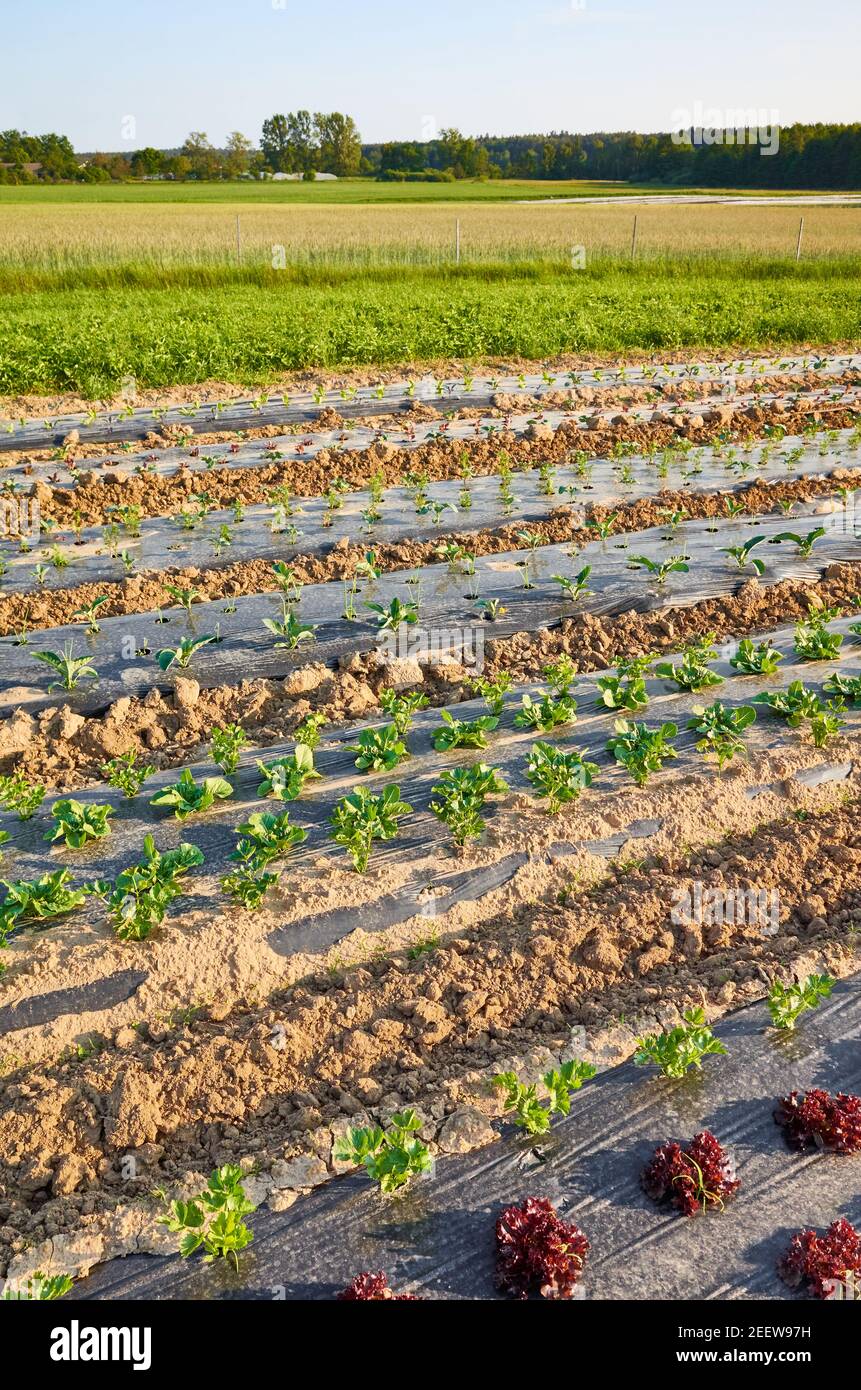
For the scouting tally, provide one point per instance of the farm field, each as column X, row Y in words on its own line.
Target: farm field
column 428, row 794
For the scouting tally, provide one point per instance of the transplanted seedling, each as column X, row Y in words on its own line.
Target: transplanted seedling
column 379, row 750
column 660, row 570
column 126, row 773
column 574, row 588
column 390, row 618
column 546, row 713
column 401, row 708
column 391, row 1157
column 461, row 793
column 265, row 838
column 184, row 598
column 803, row 544
column 138, row 898
column 77, row 823
column 743, row 554
column 463, row 733
column 89, row 615
column 491, row 609
column 844, row 687
column 213, row 1221
column 692, row 672
column 20, row 796
column 290, row 631
column 529, row 1113
column 753, row 660
column 308, row 732
column 37, row 900
column 720, row 730
column 813, row 641
column 680, row 1049
column 786, row 1003
column 189, row 798
column 226, row 745
column 560, row 675
column 39, row 1288
column 493, row 691
column 361, row 818
column 181, row 655
column 70, row 669
column 559, row 776
column 642, row 750
column 627, row 689
column 285, row 777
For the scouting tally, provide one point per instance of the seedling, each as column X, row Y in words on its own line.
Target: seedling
column 461, row 793
column 751, row 660
column 547, row 713
column 77, row 824
column 398, row 612
column 786, row 1003
column 20, row 796
column 289, row 631
column 266, row 837
column 285, row 777
column 604, row 528
column 361, row 818
column 227, row 743
column 720, row 730
column 181, row 655
column 184, row 598
column 660, row 571
column 803, row 544
column 559, row 776
column 813, row 641
column 463, row 733
column 89, row 615
column 491, row 609
column 401, row 708
column 41, row 1288
column 379, row 750
column 627, row 689
column 213, row 1220
column 189, row 798
column 642, row 750
column 37, row 900
column 560, row 675
column 692, row 672
column 493, row 691
column 577, row 587
column 286, row 582
column 391, row 1157
column 680, row 1049
column 308, row 732
column 126, row 774
column 529, row 1113
column 743, row 556
column 137, row 900
column 844, row 687
column 71, row 669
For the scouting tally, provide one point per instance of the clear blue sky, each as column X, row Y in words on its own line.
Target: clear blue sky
column 401, row 67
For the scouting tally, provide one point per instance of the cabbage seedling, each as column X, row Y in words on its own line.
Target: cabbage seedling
column 463, row 733
column 642, row 750
column 398, row 612
column 77, row 823
column 845, row 687
column 37, row 900
column 361, row 818
column 559, row 776
column 575, row 588
column 89, row 615
column 379, row 750
column 285, row 777
column 803, row 544
column 290, row 632
column 189, row 798
column 660, row 571
column 742, row 554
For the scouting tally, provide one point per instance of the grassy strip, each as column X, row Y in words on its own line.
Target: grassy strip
column 87, row 341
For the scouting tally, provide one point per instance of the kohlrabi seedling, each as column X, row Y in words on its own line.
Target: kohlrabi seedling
column 660, row 570
column 398, row 613
column 70, row 669
column 181, row 654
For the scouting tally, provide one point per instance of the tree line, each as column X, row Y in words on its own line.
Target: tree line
column 302, row 143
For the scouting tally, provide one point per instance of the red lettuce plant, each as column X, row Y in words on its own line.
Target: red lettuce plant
column 536, row 1251
column 829, row 1122
column 823, row 1262
column 373, row 1288
column 695, row 1177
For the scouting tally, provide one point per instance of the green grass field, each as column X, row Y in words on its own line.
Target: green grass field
column 86, row 341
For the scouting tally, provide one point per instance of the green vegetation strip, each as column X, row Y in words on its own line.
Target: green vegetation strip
column 88, row 340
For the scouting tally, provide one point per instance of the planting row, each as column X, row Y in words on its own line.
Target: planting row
column 386, row 398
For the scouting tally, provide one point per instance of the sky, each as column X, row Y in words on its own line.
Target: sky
column 118, row 76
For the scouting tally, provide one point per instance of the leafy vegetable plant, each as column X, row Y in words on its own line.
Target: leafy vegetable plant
column 181, row 654
column 398, row 613
column 20, row 796
column 77, row 823
column 37, row 900
column 285, row 777
column 627, row 689
column 213, row 1220
column 680, row 1049
column 189, row 798
column 557, row 775
column 538, row 1252
column 786, row 1003
column 695, row 1177
column 379, row 750
column 227, row 743
column 138, row 898
column 642, row 750
column 463, row 733
column 391, row 1157
column 813, row 641
column 720, row 730
column 529, row 1113
column 753, row 660
column 127, row 774
column 401, row 708
column 290, row 631
column 461, row 793
column 493, row 691
column 660, row 570
column 70, row 669
column 361, row 818
column 692, row 672
column 547, row 713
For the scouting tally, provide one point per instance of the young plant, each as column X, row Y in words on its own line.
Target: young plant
column 461, row 793
column 844, row 687
column 184, row 598
column 401, row 708
column 226, row 745
column 803, row 544
column 20, row 796
column 77, row 824
column 463, row 733
column 290, row 631
column 137, row 900
column 189, row 798
column 752, row 660
column 493, row 691
column 398, row 613
column 575, row 588
column 379, row 750
column 743, row 556
column 285, row 777
column 720, row 730
column 538, row 1252
column 70, row 669
column 529, row 1113
column 37, row 900
column 559, row 776
column 308, row 731
column 680, row 1049
column 182, row 654
column 692, row 672
column 560, row 675
column 660, row 570
column 547, row 713
column 813, row 641
column 832, row 1123
column 391, row 1157
column 695, row 1178
column 90, row 613
column 627, row 689
column 491, row 609
column 41, row 1288
column 361, row 818
column 642, row 750
column 213, row 1220
column 786, row 1003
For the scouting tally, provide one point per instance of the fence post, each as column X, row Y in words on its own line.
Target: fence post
column 798, row 243
column 634, row 239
